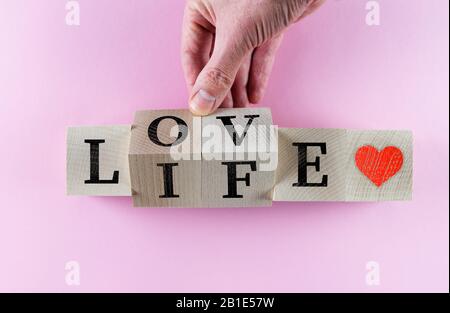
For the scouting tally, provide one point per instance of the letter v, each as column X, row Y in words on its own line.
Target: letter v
column 229, row 126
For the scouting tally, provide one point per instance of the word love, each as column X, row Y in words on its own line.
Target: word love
column 235, row 158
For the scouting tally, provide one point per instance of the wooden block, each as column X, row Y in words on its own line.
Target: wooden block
column 379, row 165
column 311, row 165
column 239, row 154
column 165, row 159
column 97, row 161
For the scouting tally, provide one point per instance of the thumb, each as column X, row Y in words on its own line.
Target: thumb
column 215, row 80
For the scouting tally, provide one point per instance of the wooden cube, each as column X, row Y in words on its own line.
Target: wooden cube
column 311, row 165
column 239, row 154
column 379, row 165
column 165, row 159
column 97, row 161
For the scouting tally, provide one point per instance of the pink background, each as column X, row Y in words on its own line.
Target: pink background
column 332, row 71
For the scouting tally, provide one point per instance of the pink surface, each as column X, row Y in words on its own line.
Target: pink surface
column 332, row 71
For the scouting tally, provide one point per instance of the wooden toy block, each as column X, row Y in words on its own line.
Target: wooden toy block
column 379, row 165
column 311, row 165
column 239, row 154
column 97, row 161
column 235, row 158
column 165, row 159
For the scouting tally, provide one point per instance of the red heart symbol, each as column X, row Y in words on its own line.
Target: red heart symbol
column 379, row 166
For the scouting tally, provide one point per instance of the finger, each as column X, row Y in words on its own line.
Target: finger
column 196, row 43
column 311, row 8
column 228, row 101
column 261, row 67
column 239, row 89
column 217, row 77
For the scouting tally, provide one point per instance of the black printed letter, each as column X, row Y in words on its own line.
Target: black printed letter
column 168, row 180
column 303, row 164
column 228, row 123
column 153, row 131
column 232, row 179
column 95, row 164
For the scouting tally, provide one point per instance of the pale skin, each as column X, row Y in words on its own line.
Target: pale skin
column 229, row 47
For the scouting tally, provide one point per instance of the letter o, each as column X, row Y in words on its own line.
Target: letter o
column 153, row 131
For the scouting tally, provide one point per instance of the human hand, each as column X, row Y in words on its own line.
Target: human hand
column 228, row 48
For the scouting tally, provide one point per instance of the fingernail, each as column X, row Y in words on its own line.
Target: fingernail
column 202, row 103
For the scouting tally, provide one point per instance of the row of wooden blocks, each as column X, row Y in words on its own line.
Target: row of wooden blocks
column 235, row 158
